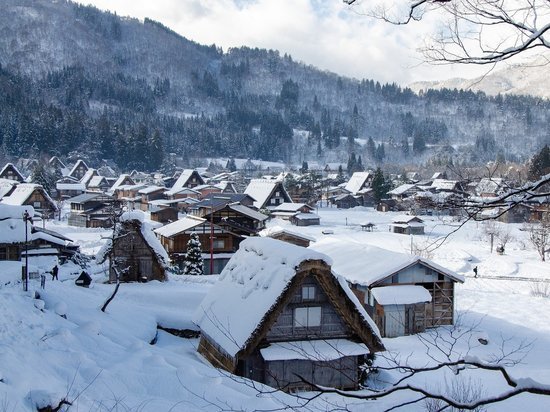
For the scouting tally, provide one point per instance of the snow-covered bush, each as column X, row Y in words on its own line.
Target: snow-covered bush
column 193, row 257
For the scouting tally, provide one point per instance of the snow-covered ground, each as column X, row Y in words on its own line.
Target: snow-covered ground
column 61, row 346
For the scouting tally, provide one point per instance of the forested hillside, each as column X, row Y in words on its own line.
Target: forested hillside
column 75, row 79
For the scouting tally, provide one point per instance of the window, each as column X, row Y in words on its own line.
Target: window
column 308, row 317
column 37, row 205
column 308, row 292
column 219, row 243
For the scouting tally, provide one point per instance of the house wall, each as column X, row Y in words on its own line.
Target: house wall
column 340, row 373
column 332, row 326
column 440, row 311
column 134, row 258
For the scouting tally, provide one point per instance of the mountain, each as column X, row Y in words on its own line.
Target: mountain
column 530, row 78
column 77, row 81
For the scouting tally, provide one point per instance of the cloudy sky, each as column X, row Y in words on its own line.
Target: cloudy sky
column 324, row 33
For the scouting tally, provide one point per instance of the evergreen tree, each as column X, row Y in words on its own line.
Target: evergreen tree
column 231, row 165
column 193, row 257
column 419, row 145
column 371, row 148
column 352, row 162
column 380, row 186
column 540, row 164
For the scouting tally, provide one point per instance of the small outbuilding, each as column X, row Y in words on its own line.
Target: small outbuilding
column 407, row 225
column 404, row 294
column 84, row 280
column 134, row 252
column 306, row 321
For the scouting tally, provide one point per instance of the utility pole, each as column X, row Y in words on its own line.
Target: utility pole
column 26, row 218
column 211, row 238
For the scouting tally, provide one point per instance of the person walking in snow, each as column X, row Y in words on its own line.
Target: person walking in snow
column 54, row 272
column 475, row 272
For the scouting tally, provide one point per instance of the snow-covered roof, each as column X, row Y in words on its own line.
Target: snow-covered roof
column 79, row 163
column 11, row 165
column 490, row 185
column 406, row 219
column 119, row 181
column 6, row 185
column 365, row 264
column 23, row 191
column 277, row 230
column 261, row 189
column 90, row 173
column 96, row 181
column 255, row 277
column 444, row 184
column 245, row 210
column 399, row 190
column 179, row 226
column 150, row 189
column 181, row 182
column 401, row 295
column 70, row 186
column 307, row 216
column 291, row 207
column 315, row 350
column 357, row 181
column 146, row 228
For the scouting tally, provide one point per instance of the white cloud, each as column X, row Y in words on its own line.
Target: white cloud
column 325, row 33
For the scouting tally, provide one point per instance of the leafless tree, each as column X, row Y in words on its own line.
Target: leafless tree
column 491, row 230
column 481, row 32
column 539, row 236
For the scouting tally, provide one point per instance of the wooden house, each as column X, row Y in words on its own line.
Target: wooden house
column 40, row 242
column 216, row 242
column 404, row 294
column 10, row 172
column 232, row 216
column 305, row 322
column 187, row 179
column 79, row 170
column 68, row 187
column 122, row 180
column 98, row 184
column 359, row 181
column 92, row 210
column 386, row 205
column 134, row 252
column 150, row 193
column 31, row 194
column 286, row 235
column 407, row 225
column 490, row 187
column 267, row 193
column 164, row 215
column 286, row 210
column 347, row 201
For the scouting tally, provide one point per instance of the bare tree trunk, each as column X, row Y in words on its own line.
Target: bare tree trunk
column 104, row 307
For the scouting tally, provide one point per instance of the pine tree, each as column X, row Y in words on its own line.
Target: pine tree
column 193, row 257
column 540, row 164
column 380, row 186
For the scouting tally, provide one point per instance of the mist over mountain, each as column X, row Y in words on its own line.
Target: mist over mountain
column 529, row 78
column 79, row 80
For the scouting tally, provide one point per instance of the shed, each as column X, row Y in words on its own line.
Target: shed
column 375, row 273
column 134, row 251
column 83, row 280
column 306, row 321
column 407, row 225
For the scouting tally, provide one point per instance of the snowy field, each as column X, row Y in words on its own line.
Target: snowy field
column 61, row 346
